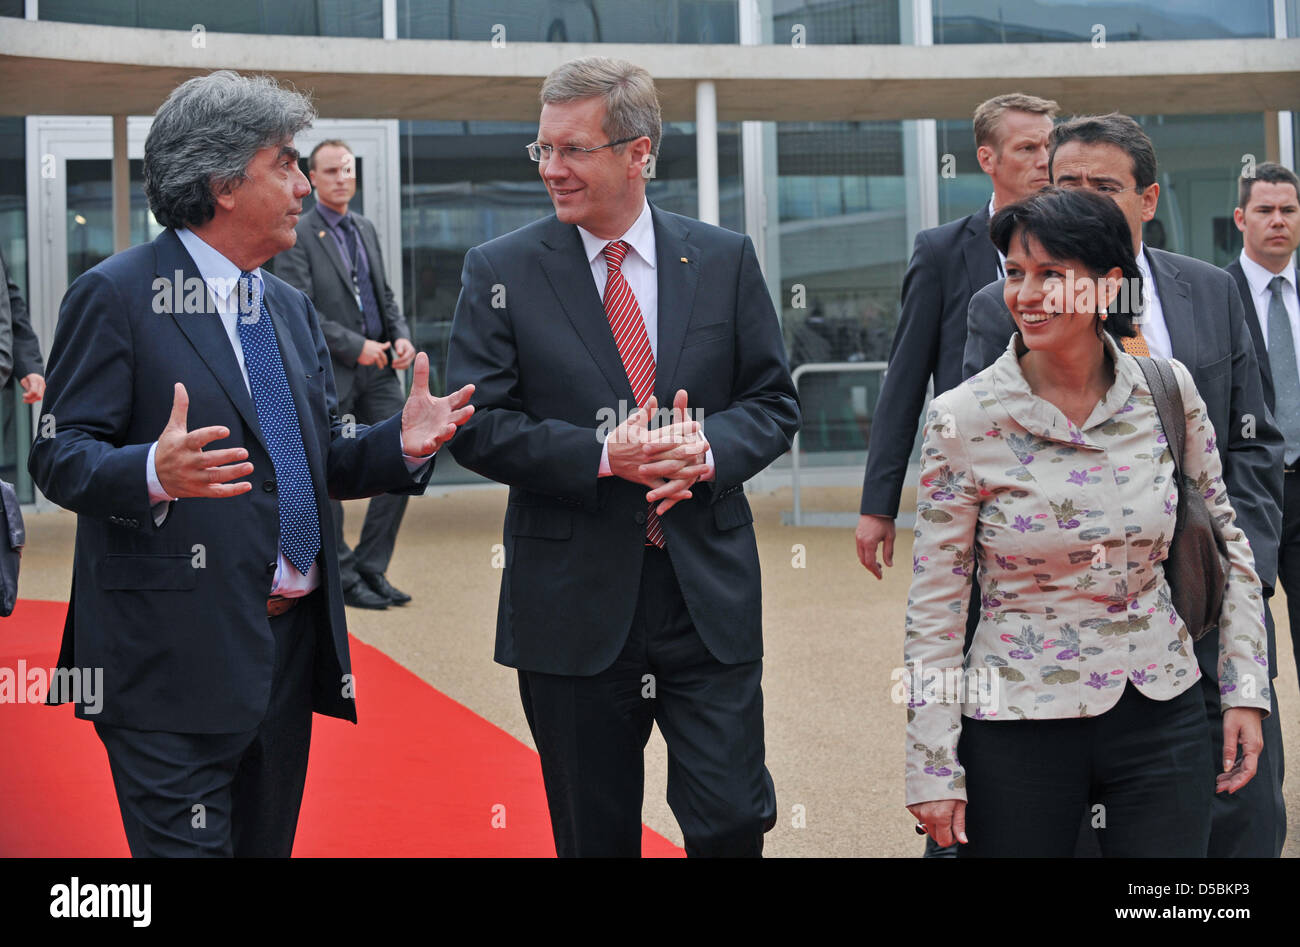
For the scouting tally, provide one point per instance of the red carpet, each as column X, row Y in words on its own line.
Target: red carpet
column 420, row 776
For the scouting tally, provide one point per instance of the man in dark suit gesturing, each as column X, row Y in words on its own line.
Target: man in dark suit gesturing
column 204, row 584
column 949, row 263
column 336, row 261
column 631, row 588
column 1190, row 311
column 1268, row 216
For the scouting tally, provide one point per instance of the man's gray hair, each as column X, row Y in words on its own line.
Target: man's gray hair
column 631, row 102
column 206, row 133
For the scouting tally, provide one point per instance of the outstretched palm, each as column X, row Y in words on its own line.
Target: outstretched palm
column 429, row 422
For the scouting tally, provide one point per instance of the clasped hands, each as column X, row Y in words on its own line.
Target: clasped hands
column 668, row 460
column 185, row 469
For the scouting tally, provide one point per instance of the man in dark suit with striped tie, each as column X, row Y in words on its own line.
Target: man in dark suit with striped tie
column 204, row 585
column 630, row 594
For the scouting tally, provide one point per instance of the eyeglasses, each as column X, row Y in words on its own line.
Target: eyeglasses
column 539, row 152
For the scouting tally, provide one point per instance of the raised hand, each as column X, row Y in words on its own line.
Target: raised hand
column 185, row 469
column 429, row 422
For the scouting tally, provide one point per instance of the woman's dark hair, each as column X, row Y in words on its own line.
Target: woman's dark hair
column 1082, row 226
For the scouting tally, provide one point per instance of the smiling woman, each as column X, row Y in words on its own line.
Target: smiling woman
column 1048, row 479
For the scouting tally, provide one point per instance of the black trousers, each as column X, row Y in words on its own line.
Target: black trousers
column 1137, row 772
column 223, row 794
column 376, row 396
column 591, row 734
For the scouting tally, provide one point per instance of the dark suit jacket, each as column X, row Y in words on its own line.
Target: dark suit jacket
column 12, row 309
column 315, row 266
column 1207, row 327
column 549, row 377
column 949, row 264
column 1256, row 331
column 188, row 649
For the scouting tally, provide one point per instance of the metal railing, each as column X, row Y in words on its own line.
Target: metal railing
column 809, row 368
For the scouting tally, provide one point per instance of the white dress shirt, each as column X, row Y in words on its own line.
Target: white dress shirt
column 1152, row 319
column 1258, row 278
column 222, row 279
column 638, row 269
column 1002, row 257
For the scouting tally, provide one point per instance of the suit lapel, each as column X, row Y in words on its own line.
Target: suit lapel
column 1176, row 306
column 677, row 284
column 205, row 330
column 321, row 234
column 567, row 270
column 978, row 250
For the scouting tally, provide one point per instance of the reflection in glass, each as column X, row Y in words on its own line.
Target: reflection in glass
column 569, row 21
column 1050, row 21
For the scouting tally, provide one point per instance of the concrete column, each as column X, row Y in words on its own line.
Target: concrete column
column 706, row 150
column 121, row 187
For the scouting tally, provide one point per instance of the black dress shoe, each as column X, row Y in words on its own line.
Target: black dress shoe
column 378, row 583
column 361, row 595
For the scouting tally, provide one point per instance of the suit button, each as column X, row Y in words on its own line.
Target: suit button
column 640, row 518
column 268, row 486
column 270, row 568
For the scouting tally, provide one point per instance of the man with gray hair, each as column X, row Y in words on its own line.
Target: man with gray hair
column 631, row 590
column 201, row 584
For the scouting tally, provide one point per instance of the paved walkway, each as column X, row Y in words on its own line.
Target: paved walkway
column 833, row 634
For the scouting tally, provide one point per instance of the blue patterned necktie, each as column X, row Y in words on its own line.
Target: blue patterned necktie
column 1282, row 363
column 299, row 525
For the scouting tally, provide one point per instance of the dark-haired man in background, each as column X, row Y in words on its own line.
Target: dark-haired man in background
column 1268, row 216
column 338, row 264
column 1192, row 312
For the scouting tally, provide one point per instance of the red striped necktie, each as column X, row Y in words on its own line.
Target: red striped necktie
column 628, row 326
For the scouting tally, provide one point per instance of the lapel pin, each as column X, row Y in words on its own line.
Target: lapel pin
column 321, row 235
column 684, row 260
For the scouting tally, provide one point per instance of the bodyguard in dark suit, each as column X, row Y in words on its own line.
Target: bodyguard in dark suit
column 631, row 589
column 204, row 589
column 1192, row 312
column 338, row 264
column 949, row 263
column 27, row 365
column 1268, row 216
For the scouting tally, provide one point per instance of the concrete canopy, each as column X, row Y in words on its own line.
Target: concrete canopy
column 50, row 68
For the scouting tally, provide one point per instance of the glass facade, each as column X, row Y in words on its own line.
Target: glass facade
column 570, row 21
column 1053, row 21
column 275, row 17
column 843, row 250
column 838, row 22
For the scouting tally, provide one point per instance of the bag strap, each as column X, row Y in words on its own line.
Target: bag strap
column 1169, row 405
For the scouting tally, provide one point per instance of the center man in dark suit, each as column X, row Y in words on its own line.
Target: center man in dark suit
column 1191, row 311
column 338, row 264
column 631, row 593
column 204, row 586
